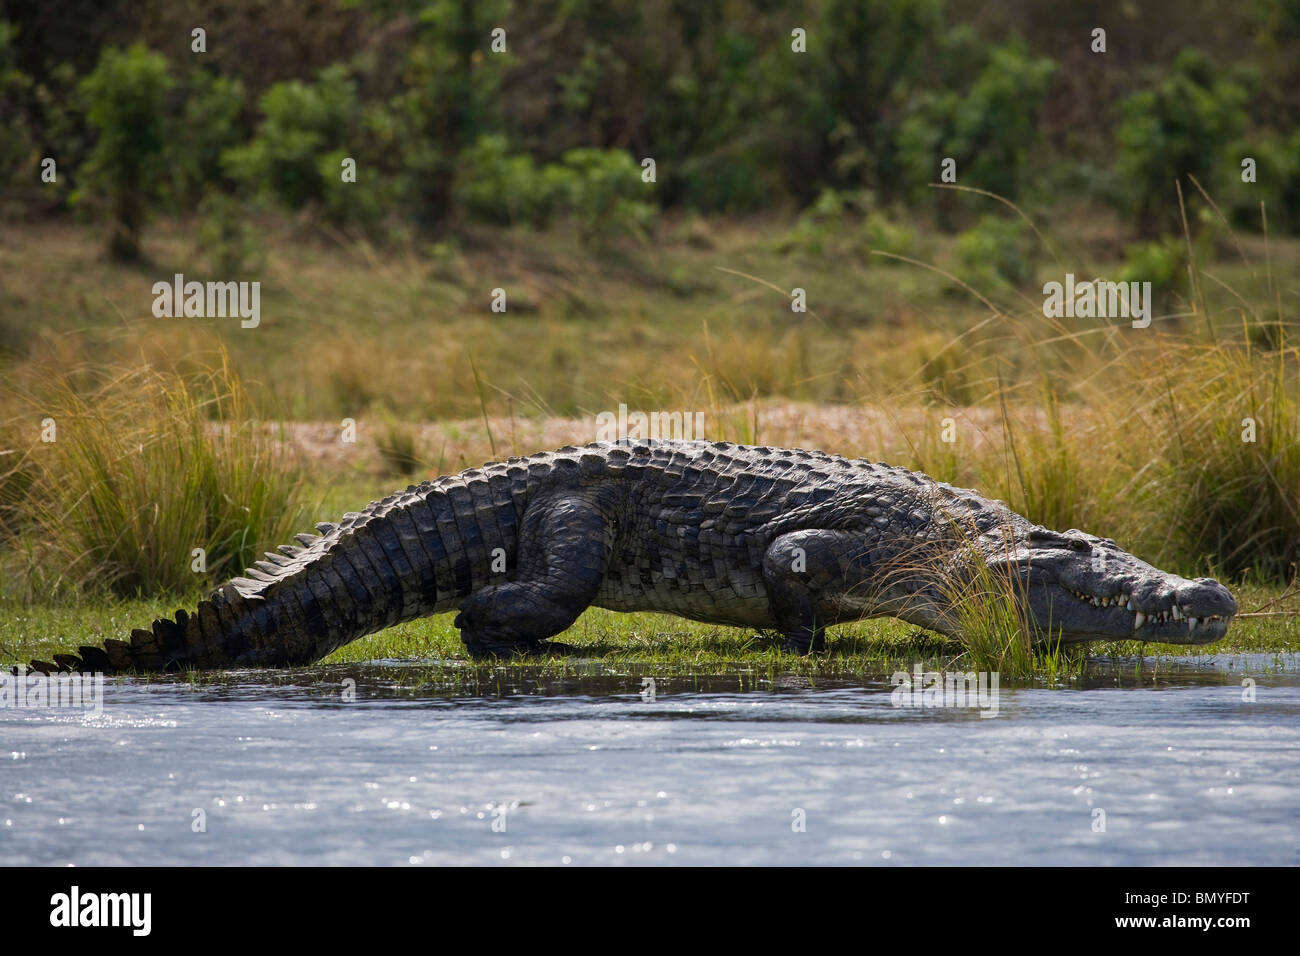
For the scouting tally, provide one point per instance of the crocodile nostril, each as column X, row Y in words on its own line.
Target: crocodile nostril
column 1205, row 596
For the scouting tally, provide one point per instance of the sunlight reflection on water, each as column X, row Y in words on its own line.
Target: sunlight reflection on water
column 584, row 770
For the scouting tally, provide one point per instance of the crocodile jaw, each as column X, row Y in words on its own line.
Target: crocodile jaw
column 1179, row 611
column 1077, row 587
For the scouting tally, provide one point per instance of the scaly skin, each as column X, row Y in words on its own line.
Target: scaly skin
column 764, row 538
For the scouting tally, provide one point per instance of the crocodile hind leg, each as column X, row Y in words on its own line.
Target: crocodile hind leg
column 804, row 571
column 564, row 544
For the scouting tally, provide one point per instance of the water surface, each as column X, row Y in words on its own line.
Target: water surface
column 280, row 768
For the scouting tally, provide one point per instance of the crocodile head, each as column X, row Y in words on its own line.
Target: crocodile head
column 1079, row 587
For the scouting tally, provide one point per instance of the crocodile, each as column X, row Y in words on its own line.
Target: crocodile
column 776, row 540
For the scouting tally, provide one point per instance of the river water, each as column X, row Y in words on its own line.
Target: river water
column 1140, row 762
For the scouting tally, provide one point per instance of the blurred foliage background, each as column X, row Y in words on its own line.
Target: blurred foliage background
column 445, row 132
column 524, row 171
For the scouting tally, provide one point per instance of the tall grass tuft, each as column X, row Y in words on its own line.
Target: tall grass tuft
column 990, row 609
column 1045, row 467
column 397, row 446
column 950, row 584
column 17, row 471
column 146, row 467
column 1228, row 471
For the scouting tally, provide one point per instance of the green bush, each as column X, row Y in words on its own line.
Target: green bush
column 605, row 195
column 496, row 186
column 1176, row 127
column 125, row 98
column 989, row 130
column 831, row 225
column 17, row 148
column 449, row 97
column 1163, row 263
column 883, row 234
column 876, row 55
column 206, row 124
column 1277, row 182
column 998, row 252
column 226, row 236
column 301, row 122
column 601, row 190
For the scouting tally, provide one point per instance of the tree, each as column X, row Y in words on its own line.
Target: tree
column 1177, row 126
column 125, row 98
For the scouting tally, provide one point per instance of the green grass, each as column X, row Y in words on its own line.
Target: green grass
column 656, row 645
column 1130, row 434
column 347, row 329
column 150, row 483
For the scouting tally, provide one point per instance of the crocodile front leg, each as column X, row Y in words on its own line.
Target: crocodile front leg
column 804, row 573
column 564, row 546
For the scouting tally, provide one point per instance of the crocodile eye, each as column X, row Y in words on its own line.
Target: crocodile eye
column 1078, row 544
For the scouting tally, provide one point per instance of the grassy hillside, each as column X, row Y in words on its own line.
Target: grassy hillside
column 919, row 348
column 696, row 317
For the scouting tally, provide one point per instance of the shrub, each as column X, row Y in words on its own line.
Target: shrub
column 606, row 195
column 300, row 123
column 1177, row 126
column 205, row 126
column 829, row 225
column 227, row 237
column 883, row 234
column 125, row 98
column 497, row 187
column 1163, row 263
column 989, row 131
column 1277, row 183
column 146, row 467
column 876, row 54
column 17, row 148
column 997, row 252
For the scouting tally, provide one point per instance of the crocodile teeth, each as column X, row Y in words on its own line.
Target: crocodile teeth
column 1129, row 606
column 1191, row 623
column 1178, row 613
column 1138, row 620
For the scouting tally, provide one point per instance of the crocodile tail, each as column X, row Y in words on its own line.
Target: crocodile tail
column 222, row 630
column 415, row 553
column 367, row 573
column 241, row 624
